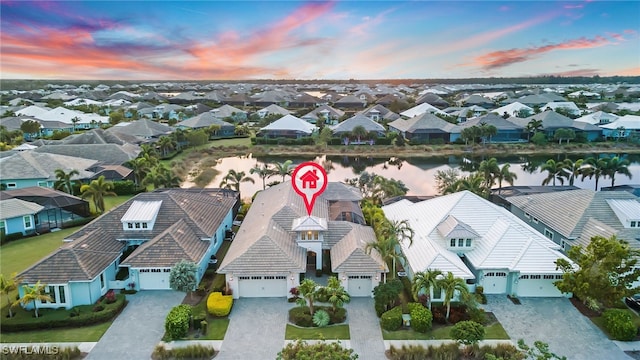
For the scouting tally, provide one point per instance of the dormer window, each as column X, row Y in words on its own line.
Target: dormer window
column 459, row 234
column 627, row 211
column 460, row 243
column 141, row 215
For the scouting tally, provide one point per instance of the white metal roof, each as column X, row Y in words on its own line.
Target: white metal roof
column 142, row 211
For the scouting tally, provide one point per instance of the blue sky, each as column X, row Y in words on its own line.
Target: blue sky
column 227, row 40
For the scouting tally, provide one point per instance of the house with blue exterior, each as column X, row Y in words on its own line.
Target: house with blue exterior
column 205, row 121
column 426, row 128
column 135, row 245
column 507, row 131
column 18, row 216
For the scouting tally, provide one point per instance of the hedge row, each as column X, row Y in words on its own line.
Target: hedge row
column 218, row 304
column 81, row 319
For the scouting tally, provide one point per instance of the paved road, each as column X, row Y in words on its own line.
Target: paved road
column 139, row 328
column 558, row 323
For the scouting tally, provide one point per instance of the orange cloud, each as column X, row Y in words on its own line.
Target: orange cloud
column 497, row 59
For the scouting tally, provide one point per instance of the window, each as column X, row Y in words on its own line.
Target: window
column 559, row 277
column 452, row 243
column 11, row 185
column 527, row 215
column 437, row 293
column 535, row 277
column 634, row 223
column 281, row 277
column 524, row 277
column 144, row 225
column 42, row 183
column 102, row 282
column 256, row 278
column 52, row 293
column 2, row 227
column 502, row 274
column 535, row 220
column 129, row 225
column 548, row 233
column 28, row 224
column 244, row 277
column 63, row 298
column 549, row 277
column 166, row 270
column 468, row 243
column 269, row 277
column 460, row 242
column 137, row 225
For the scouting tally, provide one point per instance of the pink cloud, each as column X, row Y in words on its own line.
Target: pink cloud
column 501, row 58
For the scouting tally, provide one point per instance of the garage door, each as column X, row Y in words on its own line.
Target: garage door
column 538, row 286
column 262, row 286
column 359, row 285
column 154, row 279
column 495, row 282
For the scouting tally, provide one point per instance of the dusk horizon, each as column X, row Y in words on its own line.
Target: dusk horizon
column 316, row 41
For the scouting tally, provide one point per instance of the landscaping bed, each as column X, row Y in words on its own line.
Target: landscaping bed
column 331, row 332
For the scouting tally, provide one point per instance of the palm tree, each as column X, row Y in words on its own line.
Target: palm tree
column 533, row 126
column 140, row 168
column 97, row 190
column 572, row 169
column 33, row 294
column 425, row 280
column 263, row 172
column 308, row 290
column 283, row 169
column 505, row 175
column 169, row 179
column 7, row 286
column 335, row 293
column 233, row 179
column 488, row 169
column 400, row 229
column 616, row 165
column 359, row 132
column 555, row 171
column 64, row 182
column 74, row 121
column 387, row 249
column 595, row 168
column 166, row 144
column 450, row 284
column 473, row 183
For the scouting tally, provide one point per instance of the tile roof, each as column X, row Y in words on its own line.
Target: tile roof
column 204, row 120
column 426, row 121
column 113, row 154
column 11, row 208
column 35, row 165
column 357, row 120
column 349, row 254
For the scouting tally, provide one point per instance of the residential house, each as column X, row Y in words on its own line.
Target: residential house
column 432, row 99
column 278, row 242
column 568, row 106
column 571, row 218
column 323, row 113
column 598, row 118
column 514, row 109
column 422, row 109
column 350, row 102
column 272, row 109
column 144, row 128
column 552, row 121
column 30, row 168
column 379, row 113
column 426, row 128
column 228, row 112
column 206, row 120
column 507, row 131
column 624, row 127
column 345, row 128
column 288, row 126
column 18, row 216
column 480, row 242
column 142, row 239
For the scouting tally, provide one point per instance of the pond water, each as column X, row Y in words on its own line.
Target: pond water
column 416, row 173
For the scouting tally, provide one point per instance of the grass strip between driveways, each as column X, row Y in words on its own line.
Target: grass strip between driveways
column 91, row 333
column 332, row 332
column 494, row 331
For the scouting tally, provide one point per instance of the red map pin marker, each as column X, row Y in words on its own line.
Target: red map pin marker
column 309, row 180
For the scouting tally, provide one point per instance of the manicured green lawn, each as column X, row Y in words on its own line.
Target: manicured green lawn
column 18, row 255
column 494, row 331
column 110, row 202
column 217, row 329
column 333, row 332
column 87, row 333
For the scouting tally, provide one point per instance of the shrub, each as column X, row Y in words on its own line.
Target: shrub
column 177, row 322
column 320, row 350
column 321, row 318
column 477, row 315
column 619, row 324
column 467, row 332
column 301, row 316
column 126, row 187
column 98, row 307
column 218, row 304
column 421, row 319
column 110, row 297
column 392, row 319
column 187, row 352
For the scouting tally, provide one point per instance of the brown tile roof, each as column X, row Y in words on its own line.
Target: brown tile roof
column 80, row 260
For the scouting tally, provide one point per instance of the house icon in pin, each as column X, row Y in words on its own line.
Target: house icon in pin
column 309, row 179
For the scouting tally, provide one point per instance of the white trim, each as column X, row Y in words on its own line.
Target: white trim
column 31, row 222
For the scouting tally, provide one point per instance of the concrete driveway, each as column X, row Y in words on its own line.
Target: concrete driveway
column 556, row 322
column 138, row 329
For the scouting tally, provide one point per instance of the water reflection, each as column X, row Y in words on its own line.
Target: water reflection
column 416, row 172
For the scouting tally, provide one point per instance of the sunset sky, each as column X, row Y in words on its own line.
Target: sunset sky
column 243, row 40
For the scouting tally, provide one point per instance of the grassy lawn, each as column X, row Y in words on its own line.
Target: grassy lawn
column 110, row 202
column 494, row 331
column 18, row 255
column 216, row 330
column 87, row 333
column 219, row 142
column 333, row 332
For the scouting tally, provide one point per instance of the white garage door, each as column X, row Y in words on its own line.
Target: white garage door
column 495, row 282
column 154, row 279
column 262, row 286
column 538, row 286
column 359, row 285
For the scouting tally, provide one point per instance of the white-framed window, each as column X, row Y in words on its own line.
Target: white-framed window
column 634, row 223
column 548, row 233
column 524, row 277
column 63, row 297
column 535, row 220
column 129, row 225
column 460, row 242
column 549, row 277
column 468, row 244
column 28, row 223
column 527, row 215
column 144, row 225
column 12, row 185
column 452, row 243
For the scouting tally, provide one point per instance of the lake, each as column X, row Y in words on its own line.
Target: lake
column 416, row 173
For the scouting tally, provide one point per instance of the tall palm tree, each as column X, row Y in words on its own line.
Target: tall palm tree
column 425, row 280
column 595, row 167
column 335, row 293
column 474, row 183
column 401, row 230
column 140, row 168
column 7, row 286
column 573, row 169
column 450, row 284
column 359, row 132
column 169, row 179
column 233, row 179
column 308, row 290
column 616, row 165
column 555, row 171
column 387, row 249
column 505, row 175
column 97, row 190
column 283, row 169
column 488, row 169
column 166, row 144
column 64, row 182
column 263, row 172
column 533, row 126
column 33, row 294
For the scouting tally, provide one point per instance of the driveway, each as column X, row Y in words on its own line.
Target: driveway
column 556, row 322
column 256, row 330
column 139, row 328
column 364, row 328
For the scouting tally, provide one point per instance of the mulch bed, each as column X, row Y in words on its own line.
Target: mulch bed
column 584, row 310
